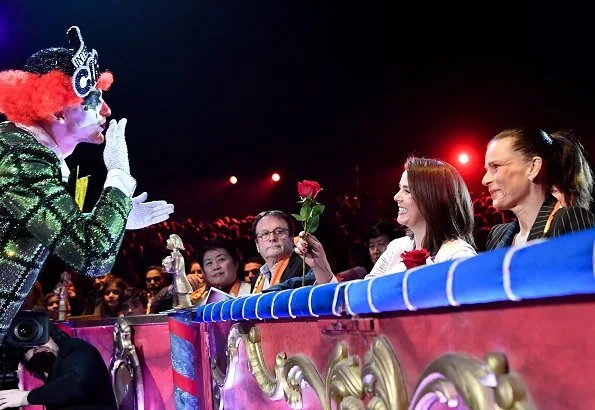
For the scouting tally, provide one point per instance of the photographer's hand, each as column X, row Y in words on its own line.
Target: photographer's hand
column 13, row 398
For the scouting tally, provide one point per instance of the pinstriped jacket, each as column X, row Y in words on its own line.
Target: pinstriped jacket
column 38, row 217
column 566, row 220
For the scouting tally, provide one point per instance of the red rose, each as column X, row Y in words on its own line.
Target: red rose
column 415, row 258
column 308, row 189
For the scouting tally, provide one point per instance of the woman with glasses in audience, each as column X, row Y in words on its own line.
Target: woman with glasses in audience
column 435, row 206
column 545, row 180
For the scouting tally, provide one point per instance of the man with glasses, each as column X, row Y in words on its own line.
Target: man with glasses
column 273, row 233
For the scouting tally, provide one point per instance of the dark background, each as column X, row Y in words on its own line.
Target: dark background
column 313, row 89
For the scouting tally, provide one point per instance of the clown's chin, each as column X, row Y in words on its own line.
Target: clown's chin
column 96, row 138
column 99, row 138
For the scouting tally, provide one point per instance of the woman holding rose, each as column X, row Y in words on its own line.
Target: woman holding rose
column 435, row 206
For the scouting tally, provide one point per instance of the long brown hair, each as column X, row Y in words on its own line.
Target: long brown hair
column 443, row 200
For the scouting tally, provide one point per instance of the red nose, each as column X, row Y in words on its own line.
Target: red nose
column 105, row 111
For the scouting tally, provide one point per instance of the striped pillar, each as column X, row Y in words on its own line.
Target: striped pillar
column 183, row 358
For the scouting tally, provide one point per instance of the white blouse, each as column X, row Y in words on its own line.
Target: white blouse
column 391, row 262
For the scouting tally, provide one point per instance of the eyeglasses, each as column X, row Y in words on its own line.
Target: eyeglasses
column 266, row 235
column 254, row 271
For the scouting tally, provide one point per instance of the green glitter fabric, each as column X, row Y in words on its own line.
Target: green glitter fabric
column 38, row 217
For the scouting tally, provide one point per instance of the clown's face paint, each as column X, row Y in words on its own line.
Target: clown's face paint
column 86, row 122
column 96, row 108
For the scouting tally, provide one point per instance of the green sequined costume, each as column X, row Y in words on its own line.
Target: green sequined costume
column 38, row 217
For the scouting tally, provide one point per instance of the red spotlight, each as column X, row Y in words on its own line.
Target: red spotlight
column 276, row 177
column 463, row 158
column 233, row 180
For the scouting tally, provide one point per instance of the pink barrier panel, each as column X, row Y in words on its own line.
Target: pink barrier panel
column 429, row 360
column 151, row 338
column 524, row 355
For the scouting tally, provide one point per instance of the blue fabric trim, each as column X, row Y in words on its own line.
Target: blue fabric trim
column 559, row 267
column 182, row 355
column 184, row 400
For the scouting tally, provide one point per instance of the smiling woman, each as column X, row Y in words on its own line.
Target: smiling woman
column 543, row 180
column 435, row 206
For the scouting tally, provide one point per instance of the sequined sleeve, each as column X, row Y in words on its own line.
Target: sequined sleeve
column 33, row 195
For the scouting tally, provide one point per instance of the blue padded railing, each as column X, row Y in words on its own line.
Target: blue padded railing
column 541, row 269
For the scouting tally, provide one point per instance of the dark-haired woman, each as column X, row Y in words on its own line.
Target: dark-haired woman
column 435, row 206
column 544, row 180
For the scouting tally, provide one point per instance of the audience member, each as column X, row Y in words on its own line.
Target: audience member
column 435, row 206
column 112, row 298
column 522, row 167
column 273, row 234
column 134, row 302
column 252, row 268
column 222, row 261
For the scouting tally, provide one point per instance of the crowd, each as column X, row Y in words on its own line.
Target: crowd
column 137, row 283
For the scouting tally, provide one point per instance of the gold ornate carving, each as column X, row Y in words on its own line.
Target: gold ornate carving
column 343, row 379
column 510, row 391
column 383, row 377
column 457, row 380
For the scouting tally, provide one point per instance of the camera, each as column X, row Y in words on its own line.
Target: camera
column 27, row 329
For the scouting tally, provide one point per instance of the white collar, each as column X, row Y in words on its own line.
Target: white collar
column 44, row 139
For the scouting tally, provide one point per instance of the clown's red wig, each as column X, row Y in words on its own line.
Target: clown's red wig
column 28, row 98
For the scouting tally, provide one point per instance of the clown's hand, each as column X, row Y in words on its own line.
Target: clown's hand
column 115, row 154
column 144, row 213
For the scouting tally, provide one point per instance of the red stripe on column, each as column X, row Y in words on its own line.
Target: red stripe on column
column 181, row 330
column 188, row 385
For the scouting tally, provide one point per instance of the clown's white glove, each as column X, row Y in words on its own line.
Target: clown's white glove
column 144, row 213
column 115, row 154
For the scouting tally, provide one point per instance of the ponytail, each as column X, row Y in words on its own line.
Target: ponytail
column 571, row 170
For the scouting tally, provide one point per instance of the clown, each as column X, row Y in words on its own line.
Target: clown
column 53, row 104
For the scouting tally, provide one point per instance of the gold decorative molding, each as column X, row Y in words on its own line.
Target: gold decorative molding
column 460, row 381
column 510, row 391
column 456, row 380
column 343, row 379
column 383, row 377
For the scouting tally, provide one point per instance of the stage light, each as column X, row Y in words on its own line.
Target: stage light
column 233, row 180
column 463, row 158
column 276, row 177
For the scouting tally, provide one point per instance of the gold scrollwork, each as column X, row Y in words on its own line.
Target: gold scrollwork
column 344, row 382
column 457, row 380
column 343, row 379
column 383, row 377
